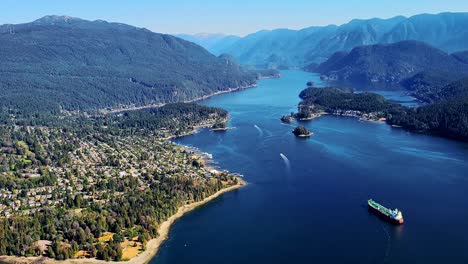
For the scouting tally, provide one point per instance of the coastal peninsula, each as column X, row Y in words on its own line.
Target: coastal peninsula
column 103, row 183
column 152, row 246
column 444, row 118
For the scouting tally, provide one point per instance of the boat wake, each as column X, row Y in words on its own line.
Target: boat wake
column 389, row 244
column 260, row 131
column 289, row 125
column 286, row 161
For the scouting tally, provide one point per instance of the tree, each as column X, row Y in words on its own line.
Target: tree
column 301, row 131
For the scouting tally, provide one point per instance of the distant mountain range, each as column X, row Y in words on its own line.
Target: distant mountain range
column 418, row 67
column 390, row 63
column 215, row 43
column 63, row 63
column 432, row 75
column 284, row 48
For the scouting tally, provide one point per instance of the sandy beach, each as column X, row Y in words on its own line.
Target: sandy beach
column 152, row 246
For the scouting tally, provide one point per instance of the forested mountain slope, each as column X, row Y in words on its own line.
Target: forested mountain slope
column 391, row 63
column 298, row 48
column 57, row 63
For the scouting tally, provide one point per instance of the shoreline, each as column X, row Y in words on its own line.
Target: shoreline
column 305, row 135
column 152, row 247
column 314, row 116
column 360, row 118
column 134, row 108
column 197, row 128
column 229, row 90
column 222, row 129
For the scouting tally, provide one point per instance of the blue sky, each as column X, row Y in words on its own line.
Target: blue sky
column 238, row 17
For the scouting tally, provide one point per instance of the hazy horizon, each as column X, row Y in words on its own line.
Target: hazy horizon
column 228, row 17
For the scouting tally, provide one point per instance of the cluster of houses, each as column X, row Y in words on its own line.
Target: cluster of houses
column 359, row 114
column 26, row 201
column 95, row 161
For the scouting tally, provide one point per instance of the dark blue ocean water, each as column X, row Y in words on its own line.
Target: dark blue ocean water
column 306, row 198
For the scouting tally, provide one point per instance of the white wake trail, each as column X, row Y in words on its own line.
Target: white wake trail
column 286, row 161
column 260, row 131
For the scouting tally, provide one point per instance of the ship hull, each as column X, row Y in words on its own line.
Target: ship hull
column 385, row 217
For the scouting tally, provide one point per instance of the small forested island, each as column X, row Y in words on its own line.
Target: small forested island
column 446, row 117
column 301, row 131
column 219, row 126
column 288, row 118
